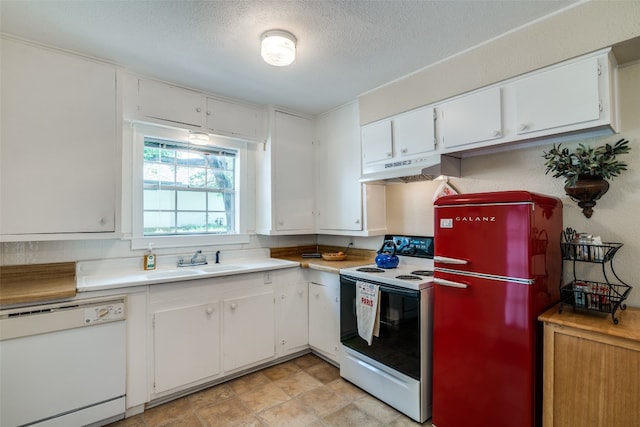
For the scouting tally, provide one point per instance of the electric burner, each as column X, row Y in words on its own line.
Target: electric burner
column 370, row 270
column 423, row 272
column 408, row 277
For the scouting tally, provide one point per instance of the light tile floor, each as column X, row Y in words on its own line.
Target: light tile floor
column 306, row 391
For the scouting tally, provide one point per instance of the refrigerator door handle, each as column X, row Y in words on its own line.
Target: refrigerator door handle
column 449, row 283
column 445, row 260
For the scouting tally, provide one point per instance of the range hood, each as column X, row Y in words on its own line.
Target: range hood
column 425, row 168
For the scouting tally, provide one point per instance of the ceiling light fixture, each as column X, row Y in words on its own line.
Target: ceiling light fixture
column 198, row 138
column 278, row 48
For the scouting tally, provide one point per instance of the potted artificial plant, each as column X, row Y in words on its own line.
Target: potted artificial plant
column 586, row 170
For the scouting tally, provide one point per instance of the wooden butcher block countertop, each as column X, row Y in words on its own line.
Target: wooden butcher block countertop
column 20, row 284
column 355, row 257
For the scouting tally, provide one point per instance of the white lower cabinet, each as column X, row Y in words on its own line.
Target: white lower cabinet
column 203, row 330
column 186, row 343
column 248, row 332
column 324, row 315
column 292, row 318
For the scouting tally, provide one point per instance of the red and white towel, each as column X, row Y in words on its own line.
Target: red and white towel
column 368, row 310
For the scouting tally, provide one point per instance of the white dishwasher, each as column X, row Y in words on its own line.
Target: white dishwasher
column 63, row 364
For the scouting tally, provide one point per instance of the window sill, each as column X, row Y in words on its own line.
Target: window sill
column 188, row 241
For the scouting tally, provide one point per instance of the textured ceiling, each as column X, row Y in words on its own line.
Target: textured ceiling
column 344, row 48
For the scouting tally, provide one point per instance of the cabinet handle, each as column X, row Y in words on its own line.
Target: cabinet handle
column 404, row 150
column 300, row 292
column 357, row 221
column 102, row 221
column 317, row 295
column 283, row 296
column 234, row 306
column 496, row 133
column 208, row 113
column 389, row 155
column 198, row 109
column 523, row 127
column 209, row 311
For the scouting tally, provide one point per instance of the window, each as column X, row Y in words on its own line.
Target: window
column 185, row 195
column 188, row 189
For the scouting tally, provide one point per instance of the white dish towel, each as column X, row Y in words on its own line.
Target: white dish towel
column 367, row 310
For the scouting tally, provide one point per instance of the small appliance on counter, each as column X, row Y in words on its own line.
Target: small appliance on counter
column 395, row 366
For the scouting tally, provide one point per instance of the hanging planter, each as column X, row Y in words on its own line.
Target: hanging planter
column 586, row 170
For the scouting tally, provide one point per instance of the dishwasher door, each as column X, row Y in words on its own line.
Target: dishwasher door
column 63, row 365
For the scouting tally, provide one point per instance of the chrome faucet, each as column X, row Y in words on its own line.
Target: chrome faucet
column 196, row 259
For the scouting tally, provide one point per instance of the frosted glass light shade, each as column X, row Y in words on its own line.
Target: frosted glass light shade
column 198, row 138
column 278, row 48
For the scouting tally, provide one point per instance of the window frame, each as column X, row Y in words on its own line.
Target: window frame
column 138, row 239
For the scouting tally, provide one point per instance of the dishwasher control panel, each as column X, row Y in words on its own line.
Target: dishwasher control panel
column 104, row 313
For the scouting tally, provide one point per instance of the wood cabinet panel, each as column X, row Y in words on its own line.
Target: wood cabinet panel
column 591, row 369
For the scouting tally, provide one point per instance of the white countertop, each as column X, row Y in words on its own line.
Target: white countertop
column 127, row 272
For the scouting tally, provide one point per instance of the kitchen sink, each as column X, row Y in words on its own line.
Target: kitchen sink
column 214, row 268
column 166, row 274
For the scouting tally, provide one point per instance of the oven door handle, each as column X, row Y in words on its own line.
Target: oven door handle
column 405, row 292
column 450, row 283
column 447, row 260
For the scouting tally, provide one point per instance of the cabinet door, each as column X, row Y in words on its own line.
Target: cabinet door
column 473, row 118
column 249, row 329
column 413, row 132
column 339, row 193
column 229, row 118
column 59, row 163
column 171, row 103
column 324, row 319
column 185, row 345
column 377, row 143
column 292, row 317
column 558, row 97
column 293, row 173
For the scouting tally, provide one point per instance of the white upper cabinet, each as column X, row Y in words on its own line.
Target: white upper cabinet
column 191, row 109
column 413, row 132
column 170, row 103
column 344, row 205
column 377, row 142
column 562, row 96
column 470, row 119
column 286, row 177
column 59, row 149
column 405, row 135
column 235, row 119
column 576, row 97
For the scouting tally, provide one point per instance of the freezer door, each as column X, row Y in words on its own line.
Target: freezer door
column 483, row 353
column 488, row 239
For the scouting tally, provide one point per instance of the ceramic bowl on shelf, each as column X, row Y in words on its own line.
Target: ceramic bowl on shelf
column 335, row 256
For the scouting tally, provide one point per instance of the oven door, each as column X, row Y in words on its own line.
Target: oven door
column 398, row 343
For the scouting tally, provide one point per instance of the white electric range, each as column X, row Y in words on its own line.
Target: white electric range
column 414, row 270
column 396, row 366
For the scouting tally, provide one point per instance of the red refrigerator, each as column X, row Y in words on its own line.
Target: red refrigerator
column 497, row 267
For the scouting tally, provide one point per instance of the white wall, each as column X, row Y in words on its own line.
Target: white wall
column 615, row 217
